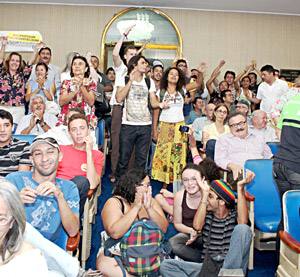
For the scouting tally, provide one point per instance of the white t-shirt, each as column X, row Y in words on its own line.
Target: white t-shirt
column 136, row 109
column 121, row 72
column 50, row 119
column 269, row 94
column 174, row 113
column 30, row 263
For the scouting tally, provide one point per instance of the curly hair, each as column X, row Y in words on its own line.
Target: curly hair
column 126, row 185
column 164, row 80
column 210, row 170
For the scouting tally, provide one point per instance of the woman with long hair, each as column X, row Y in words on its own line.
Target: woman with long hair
column 13, row 77
column 132, row 200
column 170, row 153
column 213, row 131
column 79, row 91
column 17, row 258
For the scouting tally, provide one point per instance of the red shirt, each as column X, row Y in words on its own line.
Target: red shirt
column 73, row 162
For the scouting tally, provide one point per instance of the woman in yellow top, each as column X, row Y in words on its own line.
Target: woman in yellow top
column 216, row 129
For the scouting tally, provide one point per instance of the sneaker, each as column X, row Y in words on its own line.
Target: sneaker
column 89, row 273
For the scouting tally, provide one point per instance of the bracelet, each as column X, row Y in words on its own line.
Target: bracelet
column 203, row 202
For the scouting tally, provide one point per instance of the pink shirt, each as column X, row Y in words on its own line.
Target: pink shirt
column 231, row 149
column 74, row 164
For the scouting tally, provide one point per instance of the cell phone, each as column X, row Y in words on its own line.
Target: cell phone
column 184, row 129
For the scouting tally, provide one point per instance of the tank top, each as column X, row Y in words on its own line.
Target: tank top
column 187, row 213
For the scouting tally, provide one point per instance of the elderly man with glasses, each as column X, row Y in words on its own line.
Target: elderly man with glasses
column 233, row 149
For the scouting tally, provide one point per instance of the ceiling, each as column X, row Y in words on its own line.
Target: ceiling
column 287, row 7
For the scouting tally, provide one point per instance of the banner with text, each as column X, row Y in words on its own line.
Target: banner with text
column 21, row 41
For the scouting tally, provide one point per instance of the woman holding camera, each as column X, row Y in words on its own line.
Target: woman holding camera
column 170, row 153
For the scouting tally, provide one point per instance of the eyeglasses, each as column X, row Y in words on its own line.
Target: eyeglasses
column 187, row 180
column 220, row 111
column 237, row 125
column 4, row 219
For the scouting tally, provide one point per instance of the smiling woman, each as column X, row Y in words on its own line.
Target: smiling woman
column 79, row 91
column 13, row 77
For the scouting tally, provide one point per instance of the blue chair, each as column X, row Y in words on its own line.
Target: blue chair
column 274, row 146
column 289, row 265
column 28, row 138
column 267, row 206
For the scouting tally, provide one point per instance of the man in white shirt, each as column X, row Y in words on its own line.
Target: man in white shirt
column 270, row 90
column 136, row 92
column 38, row 121
column 116, row 116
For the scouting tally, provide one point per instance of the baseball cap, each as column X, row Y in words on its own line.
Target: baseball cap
column 40, row 140
column 156, row 63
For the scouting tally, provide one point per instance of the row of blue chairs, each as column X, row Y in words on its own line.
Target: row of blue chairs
column 265, row 215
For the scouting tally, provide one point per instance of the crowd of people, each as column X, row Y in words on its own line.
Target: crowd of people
column 164, row 124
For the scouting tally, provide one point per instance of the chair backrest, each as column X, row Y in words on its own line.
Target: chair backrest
column 263, row 187
column 291, row 213
column 274, row 146
column 28, row 138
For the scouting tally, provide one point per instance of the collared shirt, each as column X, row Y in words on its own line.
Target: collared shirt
column 268, row 133
column 12, row 88
column 231, row 149
column 12, row 155
column 198, row 126
column 24, row 123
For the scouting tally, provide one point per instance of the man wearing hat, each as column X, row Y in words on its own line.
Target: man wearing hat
column 223, row 225
column 51, row 204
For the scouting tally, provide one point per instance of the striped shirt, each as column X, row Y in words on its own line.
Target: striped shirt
column 221, row 230
column 12, row 155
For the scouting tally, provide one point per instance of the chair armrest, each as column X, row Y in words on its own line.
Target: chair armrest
column 249, row 197
column 91, row 193
column 290, row 241
column 73, row 242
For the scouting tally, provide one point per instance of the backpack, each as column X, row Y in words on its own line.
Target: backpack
column 101, row 104
column 141, row 248
column 163, row 91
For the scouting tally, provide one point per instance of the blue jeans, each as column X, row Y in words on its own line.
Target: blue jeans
column 236, row 257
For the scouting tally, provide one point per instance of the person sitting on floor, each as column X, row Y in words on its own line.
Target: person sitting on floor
column 131, row 200
column 225, row 233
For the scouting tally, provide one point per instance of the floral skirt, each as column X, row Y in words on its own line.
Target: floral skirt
column 170, row 153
